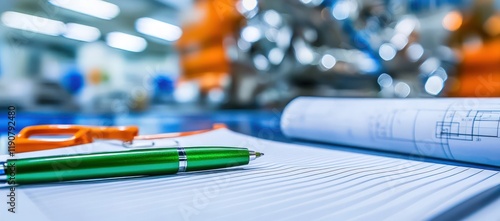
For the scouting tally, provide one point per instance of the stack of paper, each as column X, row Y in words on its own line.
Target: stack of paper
column 291, row 182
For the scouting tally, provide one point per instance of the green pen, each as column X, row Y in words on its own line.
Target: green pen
column 144, row 162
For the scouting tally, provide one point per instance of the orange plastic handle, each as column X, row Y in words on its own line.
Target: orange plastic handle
column 123, row 133
column 81, row 135
column 178, row 134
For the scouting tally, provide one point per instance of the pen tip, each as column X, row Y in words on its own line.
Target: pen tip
column 259, row 154
column 254, row 155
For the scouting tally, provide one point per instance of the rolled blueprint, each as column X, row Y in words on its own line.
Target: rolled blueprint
column 460, row 129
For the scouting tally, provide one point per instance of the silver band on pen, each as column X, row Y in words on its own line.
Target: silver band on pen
column 183, row 163
column 252, row 155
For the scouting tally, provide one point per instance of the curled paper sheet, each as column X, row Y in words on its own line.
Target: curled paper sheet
column 461, row 129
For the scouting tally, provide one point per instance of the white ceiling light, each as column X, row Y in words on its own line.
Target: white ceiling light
column 96, row 8
column 251, row 34
column 387, row 52
column 32, row 23
column 158, row 29
column 81, row 32
column 434, row 85
column 249, row 5
column 126, row 42
column 328, row 61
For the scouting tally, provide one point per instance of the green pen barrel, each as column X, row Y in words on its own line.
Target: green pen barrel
column 215, row 157
column 144, row 162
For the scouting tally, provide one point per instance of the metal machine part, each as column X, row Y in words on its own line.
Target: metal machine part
column 338, row 48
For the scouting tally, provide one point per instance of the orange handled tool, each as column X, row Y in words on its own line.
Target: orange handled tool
column 81, row 135
column 86, row 134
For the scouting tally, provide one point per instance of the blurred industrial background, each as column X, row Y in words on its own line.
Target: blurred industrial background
column 97, row 56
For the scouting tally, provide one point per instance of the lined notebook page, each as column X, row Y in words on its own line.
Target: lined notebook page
column 291, row 182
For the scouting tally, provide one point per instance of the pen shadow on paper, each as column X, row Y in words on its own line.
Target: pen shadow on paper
column 199, row 175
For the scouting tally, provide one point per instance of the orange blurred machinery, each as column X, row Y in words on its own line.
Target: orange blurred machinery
column 477, row 41
column 479, row 71
column 202, row 45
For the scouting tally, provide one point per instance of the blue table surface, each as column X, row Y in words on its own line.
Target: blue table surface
column 264, row 124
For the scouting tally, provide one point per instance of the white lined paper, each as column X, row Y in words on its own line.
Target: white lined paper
column 291, row 182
